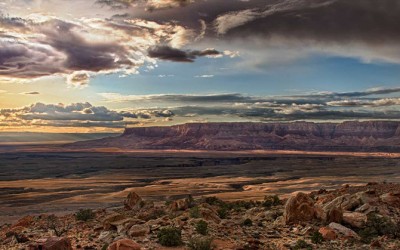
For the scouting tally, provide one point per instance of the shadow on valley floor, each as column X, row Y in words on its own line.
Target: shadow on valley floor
column 59, row 182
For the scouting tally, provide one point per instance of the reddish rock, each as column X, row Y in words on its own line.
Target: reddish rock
column 139, row 230
column 24, row 222
column 110, row 219
column 181, row 204
column 52, row 243
column 133, row 201
column 299, row 208
column 124, row 244
column 343, row 230
column 392, row 199
column 355, row 219
column 328, row 233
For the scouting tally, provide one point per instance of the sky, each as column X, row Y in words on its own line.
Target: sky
column 85, row 66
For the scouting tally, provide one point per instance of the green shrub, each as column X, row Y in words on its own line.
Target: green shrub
column 105, row 246
column 170, row 237
column 223, row 212
column 85, row 214
column 200, row 243
column 202, row 227
column 247, row 222
column 301, row 244
column 213, row 201
column 378, row 226
column 194, row 212
column 317, row 238
column 271, row 200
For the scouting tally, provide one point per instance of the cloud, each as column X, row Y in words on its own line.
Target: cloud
column 204, row 76
column 319, row 106
column 150, row 5
column 46, row 46
column 31, row 93
column 177, row 55
column 365, row 103
column 78, row 79
column 116, row 97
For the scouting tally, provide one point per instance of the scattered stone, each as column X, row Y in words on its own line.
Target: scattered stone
column 344, row 230
column 392, row 199
column 328, row 233
column 52, row 243
column 138, row 230
column 111, row 219
column 124, row 244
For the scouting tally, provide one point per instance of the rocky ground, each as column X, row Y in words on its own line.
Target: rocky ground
column 352, row 217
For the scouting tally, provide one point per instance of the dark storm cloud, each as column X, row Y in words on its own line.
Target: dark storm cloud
column 176, row 55
column 367, row 21
column 83, row 54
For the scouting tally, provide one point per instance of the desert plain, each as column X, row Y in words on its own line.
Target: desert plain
column 53, row 180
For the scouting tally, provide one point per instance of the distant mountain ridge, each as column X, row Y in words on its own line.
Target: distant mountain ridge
column 381, row 136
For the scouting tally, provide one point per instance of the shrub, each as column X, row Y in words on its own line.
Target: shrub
column 194, row 212
column 105, row 246
column 190, row 200
column 378, row 226
column 223, row 212
column 301, row 244
column 85, row 214
column 202, row 227
column 213, row 201
column 200, row 243
column 271, row 200
column 58, row 226
column 170, row 237
column 247, row 222
column 317, row 238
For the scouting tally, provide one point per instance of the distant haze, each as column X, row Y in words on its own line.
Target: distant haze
column 19, row 138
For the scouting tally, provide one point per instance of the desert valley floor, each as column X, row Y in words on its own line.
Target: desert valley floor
column 61, row 182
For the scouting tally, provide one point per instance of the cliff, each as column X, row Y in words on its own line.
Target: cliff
column 347, row 136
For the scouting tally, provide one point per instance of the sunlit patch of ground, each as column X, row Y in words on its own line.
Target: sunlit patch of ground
column 38, row 182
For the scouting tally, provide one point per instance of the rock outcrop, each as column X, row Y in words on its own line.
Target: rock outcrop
column 299, row 208
column 347, row 136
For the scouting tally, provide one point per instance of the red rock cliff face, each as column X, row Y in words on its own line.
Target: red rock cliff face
column 347, row 136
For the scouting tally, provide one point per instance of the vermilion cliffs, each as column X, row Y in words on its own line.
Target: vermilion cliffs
column 378, row 136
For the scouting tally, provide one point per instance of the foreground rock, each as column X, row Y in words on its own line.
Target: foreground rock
column 133, row 201
column 360, row 217
column 52, row 243
column 299, row 208
column 124, row 244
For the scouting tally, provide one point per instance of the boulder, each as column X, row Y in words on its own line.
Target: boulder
column 181, row 204
column 124, row 244
column 133, row 201
column 355, row 219
column 24, row 222
column 343, row 230
column 139, row 230
column 208, row 213
column 122, row 225
column 327, row 233
column 328, row 213
column 299, row 208
column 112, row 218
column 52, row 243
column 392, row 199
